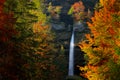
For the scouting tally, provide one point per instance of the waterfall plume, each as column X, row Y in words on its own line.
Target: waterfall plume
column 71, row 56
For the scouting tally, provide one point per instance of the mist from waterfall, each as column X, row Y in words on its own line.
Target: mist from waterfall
column 71, row 56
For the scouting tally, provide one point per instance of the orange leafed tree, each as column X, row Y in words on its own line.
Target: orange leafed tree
column 78, row 6
column 77, row 10
column 103, row 49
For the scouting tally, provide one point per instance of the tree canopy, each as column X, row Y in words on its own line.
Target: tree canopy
column 102, row 50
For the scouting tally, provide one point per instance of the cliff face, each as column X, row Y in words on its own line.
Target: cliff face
column 62, row 23
column 63, row 27
column 65, row 4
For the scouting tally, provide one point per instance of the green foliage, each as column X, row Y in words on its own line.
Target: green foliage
column 31, row 53
column 117, row 50
column 116, row 18
column 70, row 12
column 113, row 70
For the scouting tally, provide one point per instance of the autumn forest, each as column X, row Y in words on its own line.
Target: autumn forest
column 35, row 39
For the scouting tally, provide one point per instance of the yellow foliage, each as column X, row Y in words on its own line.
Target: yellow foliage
column 117, row 42
column 37, row 27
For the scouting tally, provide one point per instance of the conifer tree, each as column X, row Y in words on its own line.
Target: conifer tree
column 32, row 51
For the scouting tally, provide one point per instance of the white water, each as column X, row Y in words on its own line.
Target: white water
column 71, row 56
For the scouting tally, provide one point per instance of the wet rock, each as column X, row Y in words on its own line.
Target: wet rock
column 78, row 26
column 58, row 27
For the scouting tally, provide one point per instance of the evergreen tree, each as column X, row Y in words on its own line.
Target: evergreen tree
column 31, row 53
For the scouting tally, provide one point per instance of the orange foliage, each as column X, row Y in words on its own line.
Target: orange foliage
column 104, row 45
column 88, row 36
column 117, row 42
column 94, row 68
column 78, row 11
column 78, row 6
column 111, row 31
column 37, row 27
column 105, row 27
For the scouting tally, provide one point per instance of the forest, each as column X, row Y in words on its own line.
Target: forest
column 35, row 38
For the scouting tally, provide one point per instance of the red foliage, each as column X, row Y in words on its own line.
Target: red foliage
column 111, row 31
column 6, row 24
column 1, row 5
column 7, row 31
column 104, row 44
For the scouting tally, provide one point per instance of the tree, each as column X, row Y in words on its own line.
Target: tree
column 77, row 11
column 54, row 11
column 6, row 25
column 50, row 62
column 7, row 31
column 102, row 50
column 29, row 52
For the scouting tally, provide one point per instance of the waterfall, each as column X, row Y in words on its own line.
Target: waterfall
column 71, row 56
